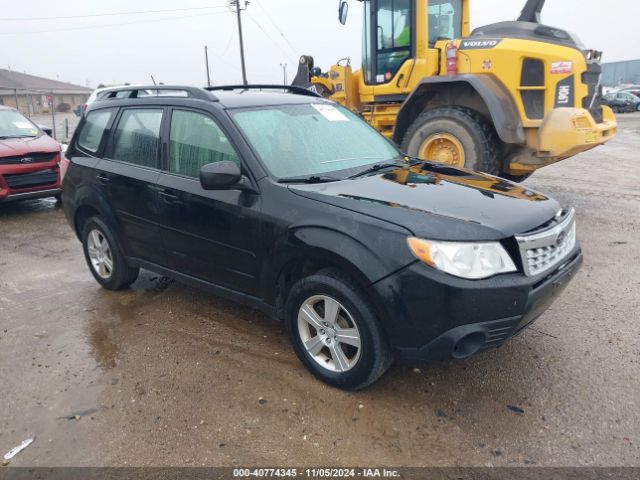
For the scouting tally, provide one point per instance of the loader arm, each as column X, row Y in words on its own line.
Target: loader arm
column 531, row 11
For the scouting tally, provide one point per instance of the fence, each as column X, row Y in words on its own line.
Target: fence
column 41, row 106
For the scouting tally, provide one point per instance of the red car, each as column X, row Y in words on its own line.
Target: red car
column 29, row 159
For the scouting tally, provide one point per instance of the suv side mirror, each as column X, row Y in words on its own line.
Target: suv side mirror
column 343, row 11
column 220, row 175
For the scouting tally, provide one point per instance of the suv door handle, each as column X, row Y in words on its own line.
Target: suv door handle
column 169, row 197
column 103, row 179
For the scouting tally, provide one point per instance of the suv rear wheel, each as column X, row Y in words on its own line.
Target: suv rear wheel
column 103, row 255
column 334, row 331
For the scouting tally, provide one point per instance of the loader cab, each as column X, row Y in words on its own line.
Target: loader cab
column 389, row 38
column 444, row 20
column 399, row 31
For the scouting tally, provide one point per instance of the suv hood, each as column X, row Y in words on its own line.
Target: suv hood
column 10, row 147
column 439, row 202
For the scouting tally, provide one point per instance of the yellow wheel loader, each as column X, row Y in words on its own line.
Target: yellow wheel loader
column 506, row 98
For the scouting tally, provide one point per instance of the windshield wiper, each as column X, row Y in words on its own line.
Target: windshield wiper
column 375, row 168
column 5, row 137
column 310, row 179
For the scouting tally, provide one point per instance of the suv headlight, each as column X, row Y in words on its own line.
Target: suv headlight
column 472, row 260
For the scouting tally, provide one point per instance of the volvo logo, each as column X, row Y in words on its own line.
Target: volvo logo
column 27, row 160
column 479, row 44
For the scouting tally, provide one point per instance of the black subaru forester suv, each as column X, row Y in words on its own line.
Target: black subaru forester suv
column 294, row 205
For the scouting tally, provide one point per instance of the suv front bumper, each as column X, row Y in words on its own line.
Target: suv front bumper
column 22, row 182
column 431, row 315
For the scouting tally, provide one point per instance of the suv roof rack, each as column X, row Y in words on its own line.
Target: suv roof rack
column 191, row 92
column 289, row 88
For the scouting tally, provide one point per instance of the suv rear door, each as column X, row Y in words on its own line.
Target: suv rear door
column 210, row 235
column 128, row 175
column 85, row 152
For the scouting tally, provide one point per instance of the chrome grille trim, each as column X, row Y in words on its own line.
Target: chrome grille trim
column 541, row 251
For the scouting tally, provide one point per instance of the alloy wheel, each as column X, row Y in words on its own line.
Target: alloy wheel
column 100, row 254
column 329, row 333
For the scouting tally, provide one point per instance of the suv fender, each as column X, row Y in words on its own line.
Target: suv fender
column 90, row 202
column 326, row 247
column 498, row 101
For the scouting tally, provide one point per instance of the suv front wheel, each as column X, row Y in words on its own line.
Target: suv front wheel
column 103, row 255
column 334, row 331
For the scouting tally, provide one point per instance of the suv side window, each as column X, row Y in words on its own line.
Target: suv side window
column 93, row 129
column 195, row 141
column 137, row 137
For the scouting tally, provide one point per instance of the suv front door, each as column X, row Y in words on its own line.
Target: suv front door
column 210, row 235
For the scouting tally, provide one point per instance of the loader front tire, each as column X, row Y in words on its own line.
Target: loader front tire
column 455, row 136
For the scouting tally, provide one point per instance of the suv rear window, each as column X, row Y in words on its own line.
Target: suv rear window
column 93, row 129
column 137, row 137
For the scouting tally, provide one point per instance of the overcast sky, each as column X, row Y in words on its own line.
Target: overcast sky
column 169, row 45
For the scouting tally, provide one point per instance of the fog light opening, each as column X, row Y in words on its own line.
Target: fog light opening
column 468, row 345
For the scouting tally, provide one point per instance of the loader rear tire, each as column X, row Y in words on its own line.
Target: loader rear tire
column 455, row 136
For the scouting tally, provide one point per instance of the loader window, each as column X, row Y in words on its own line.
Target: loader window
column 445, row 20
column 394, row 35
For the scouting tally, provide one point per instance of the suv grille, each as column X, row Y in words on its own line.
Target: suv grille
column 35, row 179
column 28, row 158
column 544, row 249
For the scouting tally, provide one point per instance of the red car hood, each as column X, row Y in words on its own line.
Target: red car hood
column 21, row 146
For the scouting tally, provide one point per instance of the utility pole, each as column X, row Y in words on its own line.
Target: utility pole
column 53, row 116
column 239, row 10
column 206, row 60
column 284, row 70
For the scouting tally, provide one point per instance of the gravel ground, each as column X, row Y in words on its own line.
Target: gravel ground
column 163, row 374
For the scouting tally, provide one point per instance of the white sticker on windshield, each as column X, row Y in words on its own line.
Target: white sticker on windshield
column 20, row 124
column 330, row 112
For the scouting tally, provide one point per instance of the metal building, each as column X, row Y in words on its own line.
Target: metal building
column 621, row 73
column 33, row 95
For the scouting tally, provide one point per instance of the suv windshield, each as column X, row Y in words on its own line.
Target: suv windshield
column 14, row 125
column 312, row 139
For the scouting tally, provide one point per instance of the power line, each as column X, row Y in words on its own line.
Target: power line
column 268, row 36
column 226, row 62
column 108, row 24
column 278, row 29
column 139, row 12
column 231, row 38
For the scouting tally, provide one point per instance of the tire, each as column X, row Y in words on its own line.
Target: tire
column 107, row 265
column 478, row 139
column 357, row 367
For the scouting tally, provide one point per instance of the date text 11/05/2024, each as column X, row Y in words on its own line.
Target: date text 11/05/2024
column 316, row 472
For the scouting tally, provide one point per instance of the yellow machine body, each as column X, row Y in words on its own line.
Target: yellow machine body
column 555, row 124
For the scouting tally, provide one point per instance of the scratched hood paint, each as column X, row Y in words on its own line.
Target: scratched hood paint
column 440, row 202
